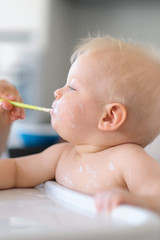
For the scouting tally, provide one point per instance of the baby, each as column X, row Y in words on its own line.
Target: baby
column 108, row 111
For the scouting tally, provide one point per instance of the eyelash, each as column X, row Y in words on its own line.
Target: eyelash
column 71, row 88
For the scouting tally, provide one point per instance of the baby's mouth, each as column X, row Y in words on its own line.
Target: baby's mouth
column 53, row 104
column 54, row 107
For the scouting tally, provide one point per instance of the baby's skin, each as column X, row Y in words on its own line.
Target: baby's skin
column 97, row 159
column 116, row 175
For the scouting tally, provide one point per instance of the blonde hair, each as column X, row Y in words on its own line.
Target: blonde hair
column 134, row 81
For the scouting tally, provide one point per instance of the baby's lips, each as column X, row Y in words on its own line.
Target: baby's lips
column 54, row 106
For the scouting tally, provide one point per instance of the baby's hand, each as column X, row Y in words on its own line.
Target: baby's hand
column 107, row 200
column 8, row 91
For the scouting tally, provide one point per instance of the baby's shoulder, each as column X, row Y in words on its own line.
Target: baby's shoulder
column 129, row 152
column 129, row 148
column 57, row 149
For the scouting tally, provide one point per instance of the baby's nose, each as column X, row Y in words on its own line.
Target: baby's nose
column 58, row 93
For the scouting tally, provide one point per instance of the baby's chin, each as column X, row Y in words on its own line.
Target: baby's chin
column 53, row 113
column 52, row 122
column 55, row 123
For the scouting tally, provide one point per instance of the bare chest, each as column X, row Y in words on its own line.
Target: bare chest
column 87, row 175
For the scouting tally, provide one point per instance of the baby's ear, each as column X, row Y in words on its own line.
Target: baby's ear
column 113, row 117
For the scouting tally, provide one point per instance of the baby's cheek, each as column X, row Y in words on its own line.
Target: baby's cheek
column 69, row 113
column 74, row 115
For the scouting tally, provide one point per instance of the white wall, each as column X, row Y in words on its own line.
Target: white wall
column 24, row 16
column 23, row 38
column 153, row 149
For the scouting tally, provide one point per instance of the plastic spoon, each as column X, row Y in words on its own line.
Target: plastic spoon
column 28, row 106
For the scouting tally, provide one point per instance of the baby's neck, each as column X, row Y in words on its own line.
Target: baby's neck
column 82, row 149
column 102, row 144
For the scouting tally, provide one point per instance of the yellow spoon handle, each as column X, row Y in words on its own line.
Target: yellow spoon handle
column 28, row 106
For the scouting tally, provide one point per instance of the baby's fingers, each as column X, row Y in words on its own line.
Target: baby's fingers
column 103, row 201
column 106, row 201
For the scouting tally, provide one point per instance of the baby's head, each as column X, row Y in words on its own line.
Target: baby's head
column 124, row 79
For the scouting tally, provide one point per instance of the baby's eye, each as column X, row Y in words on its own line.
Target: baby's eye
column 71, row 88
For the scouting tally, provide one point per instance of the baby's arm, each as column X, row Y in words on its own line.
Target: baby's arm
column 32, row 170
column 141, row 174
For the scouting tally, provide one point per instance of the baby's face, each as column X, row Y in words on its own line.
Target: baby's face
column 78, row 104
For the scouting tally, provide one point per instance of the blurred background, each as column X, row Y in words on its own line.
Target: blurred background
column 37, row 38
